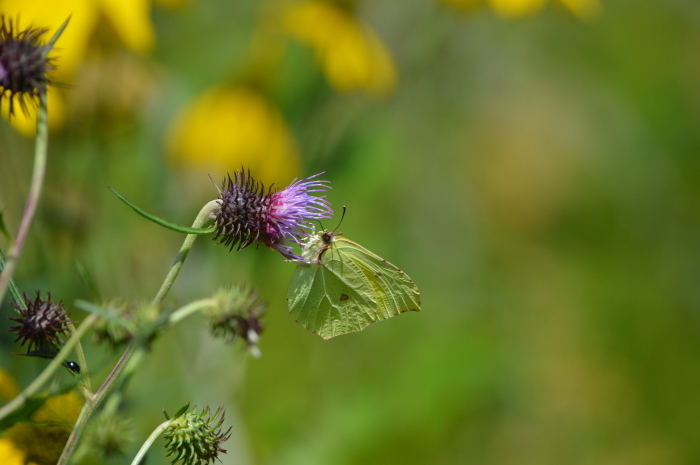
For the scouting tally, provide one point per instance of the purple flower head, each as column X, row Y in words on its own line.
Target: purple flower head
column 23, row 64
column 250, row 213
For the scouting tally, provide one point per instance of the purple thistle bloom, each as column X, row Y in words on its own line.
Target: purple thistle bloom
column 249, row 213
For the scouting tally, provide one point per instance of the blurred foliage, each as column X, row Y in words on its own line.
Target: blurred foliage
column 537, row 175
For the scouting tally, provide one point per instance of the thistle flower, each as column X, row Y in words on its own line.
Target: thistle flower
column 237, row 314
column 23, row 64
column 250, row 213
column 41, row 322
column 195, row 439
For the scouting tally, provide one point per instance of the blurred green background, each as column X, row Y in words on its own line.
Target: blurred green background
column 536, row 174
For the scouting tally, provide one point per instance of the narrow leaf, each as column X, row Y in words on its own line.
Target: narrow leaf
column 162, row 222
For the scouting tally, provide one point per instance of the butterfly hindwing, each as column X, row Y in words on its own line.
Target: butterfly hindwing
column 394, row 291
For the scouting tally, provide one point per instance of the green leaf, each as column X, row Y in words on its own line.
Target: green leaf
column 162, row 222
column 182, row 410
column 3, row 228
column 97, row 310
column 86, row 277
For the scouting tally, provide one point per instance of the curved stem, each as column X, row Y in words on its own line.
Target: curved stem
column 204, row 217
column 146, row 445
column 40, row 149
column 193, row 307
column 48, row 372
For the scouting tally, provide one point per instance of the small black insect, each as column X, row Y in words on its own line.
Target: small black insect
column 72, row 366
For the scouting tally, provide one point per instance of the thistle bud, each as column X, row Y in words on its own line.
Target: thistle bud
column 41, row 322
column 23, row 64
column 237, row 314
column 195, row 439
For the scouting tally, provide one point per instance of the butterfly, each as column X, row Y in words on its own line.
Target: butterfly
column 340, row 287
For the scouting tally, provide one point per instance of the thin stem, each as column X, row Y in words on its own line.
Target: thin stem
column 149, row 442
column 193, row 307
column 48, row 372
column 40, row 149
column 12, row 286
column 202, row 219
column 82, row 361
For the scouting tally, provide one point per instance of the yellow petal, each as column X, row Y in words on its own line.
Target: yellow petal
column 9, row 454
column 512, row 9
column 60, row 410
column 25, row 124
column 226, row 128
column 350, row 53
column 131, row 19
column 8, row 388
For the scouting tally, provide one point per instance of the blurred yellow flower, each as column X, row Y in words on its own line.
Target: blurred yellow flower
column 350, row 54
column 229, row 127
column 129, row 19
column 512, row 9
column 8, row 386
column 41, row 440
column 9, row 454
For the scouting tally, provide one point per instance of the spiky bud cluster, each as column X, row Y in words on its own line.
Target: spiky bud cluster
column 41, row 322
column 237, row 314
column 23, row 64
column 109, row 435
column 195, row 438
column 130, row 320
column 250, row 213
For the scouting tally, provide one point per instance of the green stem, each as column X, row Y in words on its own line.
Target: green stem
column 82, row 361
column 40, row 149
column 149, row 442
column 14, row 292
column 203, row 218
column 48, row 372
column 193, row 307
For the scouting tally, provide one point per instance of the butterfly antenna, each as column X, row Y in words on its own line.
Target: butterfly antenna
column 341, row 219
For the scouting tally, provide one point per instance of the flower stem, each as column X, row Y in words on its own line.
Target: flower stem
column 193, row 307
column 149, row 442
column 84, row 374
column 40, row 149
column 48, row 372
column 203, row 218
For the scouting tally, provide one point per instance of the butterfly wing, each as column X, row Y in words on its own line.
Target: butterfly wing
column 331, row 298
column 348, row 289
column 394, row 292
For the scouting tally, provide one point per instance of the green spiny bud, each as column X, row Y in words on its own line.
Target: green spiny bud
column 195, row 438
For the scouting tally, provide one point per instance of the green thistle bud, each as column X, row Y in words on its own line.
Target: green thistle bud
column 129, row 320
column 194, row 438
column 237, row 314
column 109, row 435
column 41, row 322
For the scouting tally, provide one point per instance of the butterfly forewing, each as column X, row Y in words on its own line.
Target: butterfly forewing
column 394, row 291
